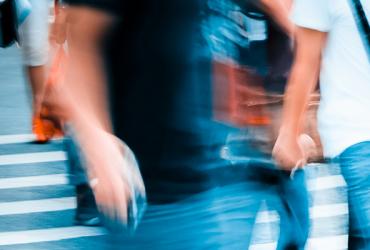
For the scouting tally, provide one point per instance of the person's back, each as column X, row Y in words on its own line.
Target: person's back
column 161, row 65
column 159, row 61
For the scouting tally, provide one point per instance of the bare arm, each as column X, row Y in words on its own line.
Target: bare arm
column 87, row 81
column 303, row 79
column 278, row 10
column 85, row 101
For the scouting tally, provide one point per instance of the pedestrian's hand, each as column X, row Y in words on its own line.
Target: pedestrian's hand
column 289, row 152
column 111, row 190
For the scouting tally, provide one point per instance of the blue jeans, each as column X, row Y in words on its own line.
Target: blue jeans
column 288, row 196
column 294, row 218
column 76, row 171
column 223, row 217
column 355, row 167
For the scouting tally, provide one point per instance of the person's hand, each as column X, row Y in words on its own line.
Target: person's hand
column 105, row 162
column 292, row 152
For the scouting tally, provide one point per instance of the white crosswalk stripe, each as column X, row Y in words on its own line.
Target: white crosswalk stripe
column 328, row 243
column 18, row 138
column 37, row 206
column 326, row 182
column 33, row 181
column 44, row 235
column 14, row 159
column 12, row 139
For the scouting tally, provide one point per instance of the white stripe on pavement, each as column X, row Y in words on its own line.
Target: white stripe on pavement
column 12, row 139
column 264, row 246
column 33, row 181
column 326, row 182
column 316, row 212
column 19, row 138
column 46, row 235
column 13, row 159
column 37, row 206
column 326, row 211
column 338, row 242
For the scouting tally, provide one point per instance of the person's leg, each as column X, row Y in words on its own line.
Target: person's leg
column 37, row 76
column 355, row 167
column 288, row 196
column 86, row 212
column 34, row 42
column 222, row 218
column 294, row 212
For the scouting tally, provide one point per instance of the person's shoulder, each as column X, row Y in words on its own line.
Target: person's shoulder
column 312, row 14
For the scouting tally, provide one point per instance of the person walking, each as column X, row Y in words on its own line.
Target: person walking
column 33, row 34
column 329, row 44
column 156, row 63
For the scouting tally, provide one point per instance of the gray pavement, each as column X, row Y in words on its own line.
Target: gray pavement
column 14, row 100
column 37, row 204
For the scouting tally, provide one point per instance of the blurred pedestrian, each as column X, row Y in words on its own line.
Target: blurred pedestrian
column 34, row 35
column 255, row 91
column 158, row 65
column 329, row 42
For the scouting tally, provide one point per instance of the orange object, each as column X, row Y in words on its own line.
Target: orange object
column 38, row 130
column 239, row 96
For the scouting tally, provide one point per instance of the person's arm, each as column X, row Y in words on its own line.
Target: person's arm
column 278, row 10
column 304, row 76
column 86, row 67
column 83, row 99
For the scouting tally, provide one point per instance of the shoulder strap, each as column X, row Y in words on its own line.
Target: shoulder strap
column 362, row 23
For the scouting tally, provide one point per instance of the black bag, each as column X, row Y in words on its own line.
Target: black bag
column 362, row 23
column 8, row 23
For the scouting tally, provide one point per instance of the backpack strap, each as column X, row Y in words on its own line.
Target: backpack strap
column 362, row 23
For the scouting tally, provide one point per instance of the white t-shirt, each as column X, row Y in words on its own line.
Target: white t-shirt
column 344, row 114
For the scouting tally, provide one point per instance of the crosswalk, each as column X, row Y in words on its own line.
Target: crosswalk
column 37, row 204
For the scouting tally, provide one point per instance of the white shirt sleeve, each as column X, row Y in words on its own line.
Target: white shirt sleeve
column 312, row 14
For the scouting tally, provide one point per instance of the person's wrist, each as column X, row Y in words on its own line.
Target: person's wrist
column 288, row 132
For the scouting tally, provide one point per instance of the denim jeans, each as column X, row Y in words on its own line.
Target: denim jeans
column 223, row 217
column 288, row 196
column 294, row 219
column 76, row 171
column 355, row 167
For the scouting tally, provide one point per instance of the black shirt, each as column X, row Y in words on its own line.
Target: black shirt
column 159, row 64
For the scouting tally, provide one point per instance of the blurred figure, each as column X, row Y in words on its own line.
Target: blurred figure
column 158, row 64
column 329, row 43
column 86, row 211
column 34, row 43
column 250, row 89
